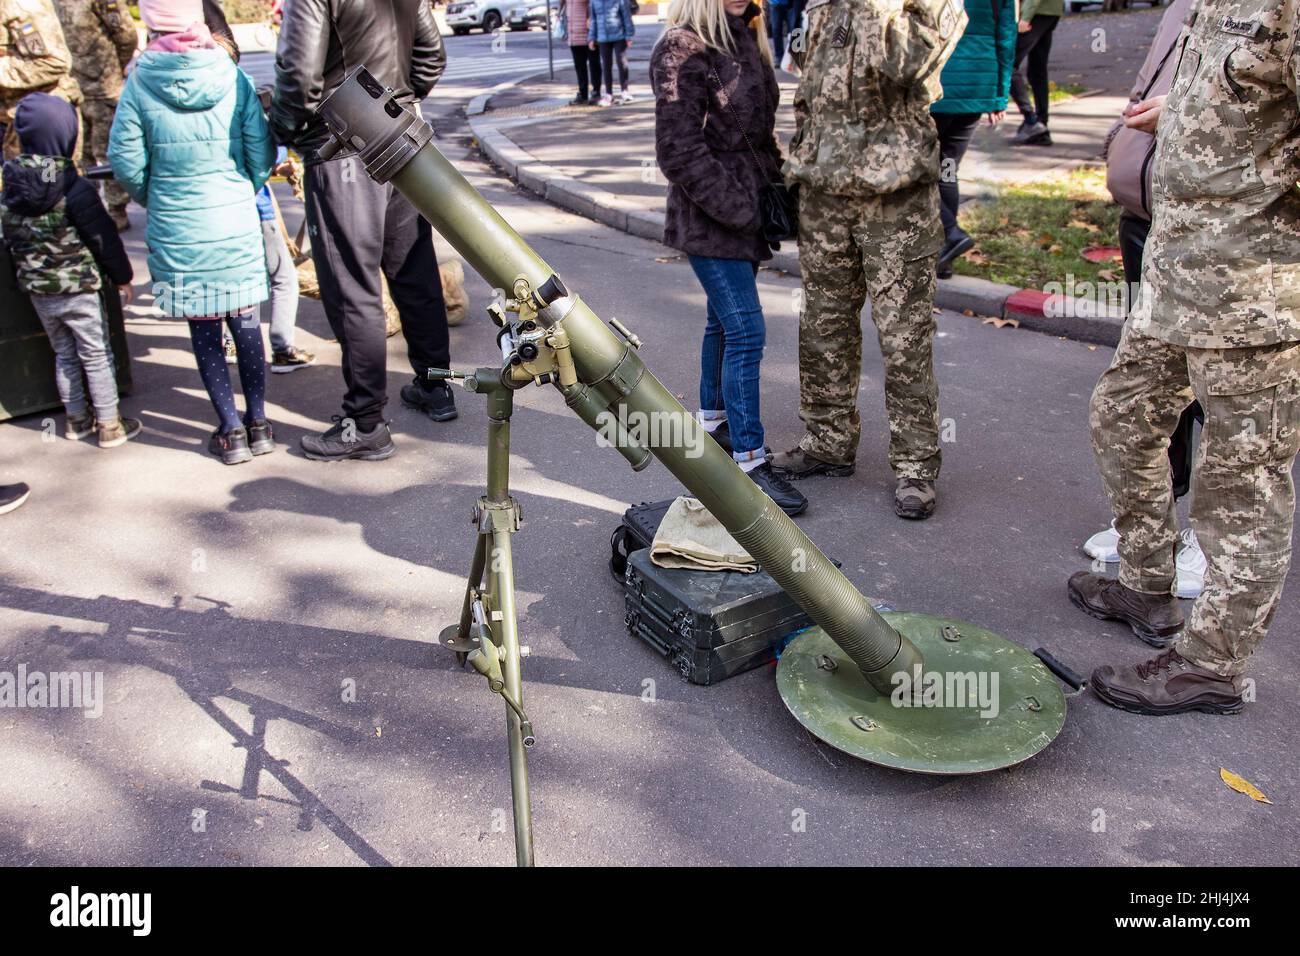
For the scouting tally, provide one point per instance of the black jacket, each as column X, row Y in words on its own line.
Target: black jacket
column 320, row 40
column 715, row 141
column 52, row 222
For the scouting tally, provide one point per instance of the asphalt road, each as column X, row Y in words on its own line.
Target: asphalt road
column 230, row 610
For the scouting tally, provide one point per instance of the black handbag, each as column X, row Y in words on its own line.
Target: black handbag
column 778, row 204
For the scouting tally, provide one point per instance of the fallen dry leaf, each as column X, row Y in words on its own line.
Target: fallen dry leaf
column 1080, row 224
column 1000, row 323
column 1054, row 249
column 1108, row 275
column 1242, row 785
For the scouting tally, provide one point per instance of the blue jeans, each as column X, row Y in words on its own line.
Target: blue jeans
column 784, row 20
column 733, row 349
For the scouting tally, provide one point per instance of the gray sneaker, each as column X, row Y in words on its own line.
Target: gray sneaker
column 344, row 440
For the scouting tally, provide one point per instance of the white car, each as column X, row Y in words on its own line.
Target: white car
column 486, row 16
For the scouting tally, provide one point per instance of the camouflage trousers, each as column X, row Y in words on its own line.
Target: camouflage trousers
column 96, row 122
column 1243, row 499
column 882, row 249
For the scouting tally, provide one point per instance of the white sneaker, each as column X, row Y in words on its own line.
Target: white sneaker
column 606, row 100
column 1103, row 546
column 1190, row 564
column 624, row 98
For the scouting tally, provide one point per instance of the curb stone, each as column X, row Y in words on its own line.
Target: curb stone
column 1077, row 319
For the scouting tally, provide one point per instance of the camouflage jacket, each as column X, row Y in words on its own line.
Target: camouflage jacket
column 870, row 72
column 102, row 38
column 58, row 232
column 1221, row 267
column 33, row 54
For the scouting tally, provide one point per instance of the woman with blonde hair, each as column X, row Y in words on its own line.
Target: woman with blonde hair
column 715, row 122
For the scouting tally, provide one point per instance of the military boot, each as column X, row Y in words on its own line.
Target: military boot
column 1167, row 684
column 797, row 463
column 915, row 498
column 1154, row 618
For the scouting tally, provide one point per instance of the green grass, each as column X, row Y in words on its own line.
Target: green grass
column 1034, row 233
column 1063, row 91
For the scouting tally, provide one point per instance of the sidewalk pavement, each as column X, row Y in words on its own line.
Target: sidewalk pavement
column 600, row 163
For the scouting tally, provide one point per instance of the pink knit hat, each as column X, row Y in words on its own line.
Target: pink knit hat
column 170, row 16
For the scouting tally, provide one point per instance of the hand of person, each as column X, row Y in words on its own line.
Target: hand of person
column 1145, row 116
column 629, row 43
column 592, row 45
column 996, row 117
column 127, row 293
column 284, row 169
column 1023, row 26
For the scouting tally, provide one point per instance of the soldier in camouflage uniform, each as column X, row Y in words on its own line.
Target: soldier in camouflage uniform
column 1217, row 319
column 33, row 58
column 866, row 157
column 102, row 38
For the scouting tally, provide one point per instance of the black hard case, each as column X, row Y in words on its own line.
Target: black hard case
column 711, row 625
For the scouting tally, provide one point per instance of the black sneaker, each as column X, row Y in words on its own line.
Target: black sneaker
column 722, row 435
column 261, row 437
column 12, row 497
column 231, row 447
column 290, row 360
column 579, row 101
column 436, row 402
column 343, row 440
column 1033, row 134
column 958, row 244
column 787, row 497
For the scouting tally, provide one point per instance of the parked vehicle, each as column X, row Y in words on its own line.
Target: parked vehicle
column 529, row 15
column 485, row 15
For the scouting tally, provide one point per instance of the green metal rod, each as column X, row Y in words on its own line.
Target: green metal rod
column 502, row 577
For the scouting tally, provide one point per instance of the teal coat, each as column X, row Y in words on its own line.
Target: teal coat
column 977, row 77
column 191, row 145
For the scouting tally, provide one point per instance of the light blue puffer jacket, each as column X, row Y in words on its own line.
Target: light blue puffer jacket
column 610, row 21
column 191, row 145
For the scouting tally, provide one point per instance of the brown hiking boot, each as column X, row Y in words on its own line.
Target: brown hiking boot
column 117, row 432
column 797, row 463
column 915, row 498
column 1167, row 684
column 1154, row 618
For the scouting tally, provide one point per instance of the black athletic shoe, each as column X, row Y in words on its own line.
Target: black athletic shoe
column 787, row 497
column 722, row 435
column 958, row 244
column 12, row 497
column 261, row 438
column 344, row 440
column 232, row 447
column 436, row 402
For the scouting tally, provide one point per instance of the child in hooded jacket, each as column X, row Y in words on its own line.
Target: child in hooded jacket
column 61, row 239
column 191, row 145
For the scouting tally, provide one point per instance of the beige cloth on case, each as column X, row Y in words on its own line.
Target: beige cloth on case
column 690, row 537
